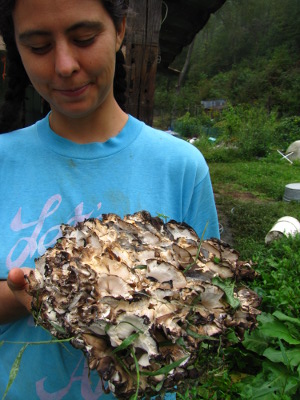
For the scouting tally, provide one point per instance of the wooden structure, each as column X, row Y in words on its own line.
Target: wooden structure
column 142, row 49
column 157, row 31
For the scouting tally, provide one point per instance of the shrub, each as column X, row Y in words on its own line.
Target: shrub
column 188, row 126
column 214, row 152
column 279, row 268
column 287, row 131
column 250, row 128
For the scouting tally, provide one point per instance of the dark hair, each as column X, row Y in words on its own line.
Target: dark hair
column 11, row 112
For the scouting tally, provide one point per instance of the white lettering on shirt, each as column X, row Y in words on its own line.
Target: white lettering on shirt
column 37, row 243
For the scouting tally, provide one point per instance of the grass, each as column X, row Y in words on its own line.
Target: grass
column 249, row 199
column 266, row 179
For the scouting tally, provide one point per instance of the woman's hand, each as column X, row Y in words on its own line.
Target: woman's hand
column 15, row 302
column 17, row 283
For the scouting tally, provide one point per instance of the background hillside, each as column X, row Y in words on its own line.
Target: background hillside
column 247, row 54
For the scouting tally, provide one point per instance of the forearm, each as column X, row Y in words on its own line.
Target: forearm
column 10, row 308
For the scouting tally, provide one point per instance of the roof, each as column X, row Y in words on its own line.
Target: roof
column 182, row 20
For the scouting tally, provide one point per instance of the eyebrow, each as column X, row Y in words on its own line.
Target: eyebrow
column 29, row 34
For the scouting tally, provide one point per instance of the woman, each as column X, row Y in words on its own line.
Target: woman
column 85, row 158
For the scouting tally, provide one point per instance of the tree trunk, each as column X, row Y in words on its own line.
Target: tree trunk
column 186, row 65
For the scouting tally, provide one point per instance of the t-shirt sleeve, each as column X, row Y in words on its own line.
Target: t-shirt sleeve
column 202, row 213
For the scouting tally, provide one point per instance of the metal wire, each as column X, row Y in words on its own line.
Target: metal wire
column 166, row 13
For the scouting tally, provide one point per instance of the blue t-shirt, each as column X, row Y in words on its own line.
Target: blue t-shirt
column 47, row 180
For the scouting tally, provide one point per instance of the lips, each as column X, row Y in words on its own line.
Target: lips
column 73, row 92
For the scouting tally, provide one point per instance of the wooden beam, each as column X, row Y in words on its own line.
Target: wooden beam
column 141, row 54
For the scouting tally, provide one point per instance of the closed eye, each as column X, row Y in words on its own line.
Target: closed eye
column 40, row 49
column 84, row 42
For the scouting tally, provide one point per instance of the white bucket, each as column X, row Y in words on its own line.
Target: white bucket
column 292, row 192
column 285, row 226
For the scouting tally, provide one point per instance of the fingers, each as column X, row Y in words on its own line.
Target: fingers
column 16, row 279
column 17, row 283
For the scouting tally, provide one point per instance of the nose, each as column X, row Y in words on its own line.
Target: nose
column 66, row 62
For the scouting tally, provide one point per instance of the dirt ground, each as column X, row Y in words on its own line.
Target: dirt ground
column 225, row 231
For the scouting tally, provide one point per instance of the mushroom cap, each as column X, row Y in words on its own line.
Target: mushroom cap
column 137, row 291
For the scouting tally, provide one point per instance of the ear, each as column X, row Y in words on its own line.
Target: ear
column 120, row 34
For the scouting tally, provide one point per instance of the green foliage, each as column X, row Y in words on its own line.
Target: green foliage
column 277, row 343
column 279, row 268
column 247, row 53
column 287, row 131
column 266, row 365
column 243, row 132
column 14, row 370
column 17, row 363
column 265, row 179
column 188, row 126
column 250, row 195
column 194, row 126
column 228, row 289
column 249, row 128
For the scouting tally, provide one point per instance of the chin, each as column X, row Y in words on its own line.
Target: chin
column 75, row 112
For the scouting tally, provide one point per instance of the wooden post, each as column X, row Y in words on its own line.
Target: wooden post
column 141, row 54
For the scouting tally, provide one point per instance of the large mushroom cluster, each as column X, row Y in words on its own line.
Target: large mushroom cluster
column 138, row 296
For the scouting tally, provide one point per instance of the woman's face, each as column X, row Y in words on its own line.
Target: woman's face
column 68, row 48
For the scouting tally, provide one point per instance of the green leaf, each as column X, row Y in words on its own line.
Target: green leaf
column 198, row 251
column 123, row 365
column 276, row 356
column 263, row 318
column 228, row 289
column 159, row 386
column 1, row 343
column 284, row 355
column 263, row 392
column 232, row 337
column 166, row 369
column 140, row 267
column 135, row 327
column 282, row 317
column 281, row 377
column 14, row 370
column 255, row 341
column 278, row 330
column 107, row 327
column 274, row 382
column 163, row 216
column 135, row 396
column 58, row 328
column 179, row 341
column 126, row 342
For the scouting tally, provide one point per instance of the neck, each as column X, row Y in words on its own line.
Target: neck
column 98, row 126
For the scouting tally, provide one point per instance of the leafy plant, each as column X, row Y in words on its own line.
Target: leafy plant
column 287, row 131
column 188, row 126
column 277, row 343
column 279, row 268
column 249, row 128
